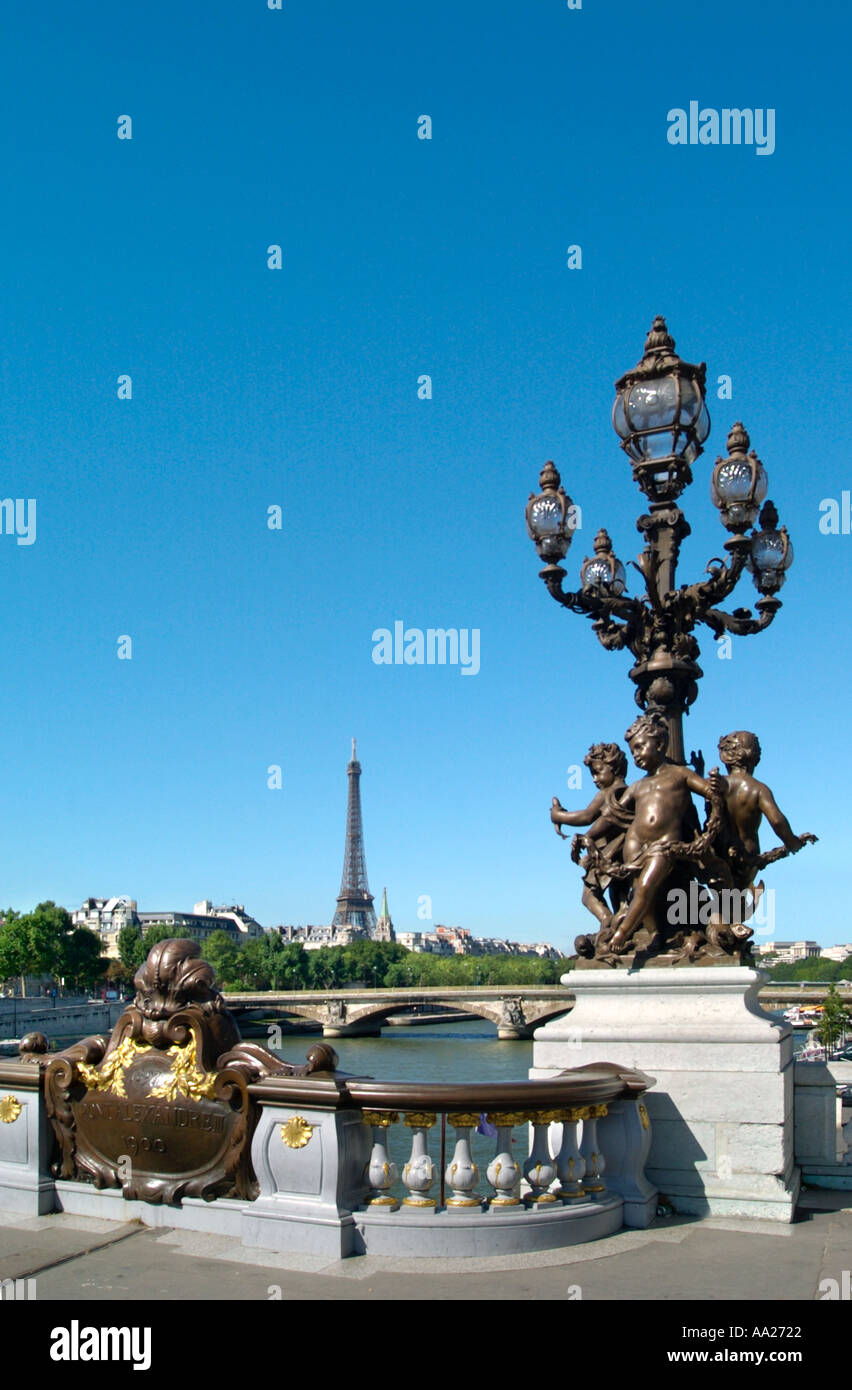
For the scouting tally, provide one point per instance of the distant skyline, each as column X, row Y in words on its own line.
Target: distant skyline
column 241, row 474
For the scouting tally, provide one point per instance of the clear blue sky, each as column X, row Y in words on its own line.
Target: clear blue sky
column 298, row 388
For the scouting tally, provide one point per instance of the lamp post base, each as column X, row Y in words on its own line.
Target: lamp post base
column 722, row 1106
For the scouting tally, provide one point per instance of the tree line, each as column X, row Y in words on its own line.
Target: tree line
column 45, row 943
column 270, row 962
column 816, row 968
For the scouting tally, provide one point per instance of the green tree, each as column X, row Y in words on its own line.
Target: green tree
column 326, row 967
column 834, row 1022
column 815, row 968
column 47, row 929
column 158, row 931
column 45, row 942
column 81, row 964
column 294, row 965
column 368, row 961
column 131, row 948
column 14, row 949
column 119, row 975
column 222, row 952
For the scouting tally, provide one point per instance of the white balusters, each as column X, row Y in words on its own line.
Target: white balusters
column 382, row 1172
column 503, row 1172
column 462, row 1174
column 540, row 1169
column 589, row 1148
column 570, row 1164
column 574, row 1175
column 418, row 1174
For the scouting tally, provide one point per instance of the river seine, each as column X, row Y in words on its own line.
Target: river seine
column 445, row 1052
column 441, row 1052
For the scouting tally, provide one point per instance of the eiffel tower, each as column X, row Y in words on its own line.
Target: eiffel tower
column 354, row 901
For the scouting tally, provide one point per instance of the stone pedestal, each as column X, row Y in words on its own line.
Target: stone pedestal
column 26, row 1186
column 310, row 1163
column 722, row 1106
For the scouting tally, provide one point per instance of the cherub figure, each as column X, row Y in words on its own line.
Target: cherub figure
column 608, row 765
column 663, row 817
column 747, row 801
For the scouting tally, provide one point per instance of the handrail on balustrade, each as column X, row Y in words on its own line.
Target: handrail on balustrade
column 594, row 1084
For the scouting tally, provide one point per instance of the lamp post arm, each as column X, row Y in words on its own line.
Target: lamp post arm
column 740, row 622
column 618, row 620
column 724, row 578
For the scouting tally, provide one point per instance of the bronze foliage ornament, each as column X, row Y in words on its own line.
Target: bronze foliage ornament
column 161, row 1108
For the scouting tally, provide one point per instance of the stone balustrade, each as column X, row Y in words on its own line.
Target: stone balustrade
column 346, row 1165
column 395, row 1172
column 571, row 1172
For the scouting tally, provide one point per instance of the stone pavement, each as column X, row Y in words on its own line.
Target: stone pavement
column 679, row 1258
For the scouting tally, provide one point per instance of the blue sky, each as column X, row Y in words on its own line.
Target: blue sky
column 298, row 388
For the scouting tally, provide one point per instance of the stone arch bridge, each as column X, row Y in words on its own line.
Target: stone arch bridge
column 516, row 1011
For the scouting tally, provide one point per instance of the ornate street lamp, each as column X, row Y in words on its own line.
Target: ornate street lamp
column 661, row 418
column 739, row 483
column 603, row 573
column 770, row 553
column 550, row 516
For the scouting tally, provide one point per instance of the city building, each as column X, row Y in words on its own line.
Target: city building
column 107, row 916
column 242, row 920
column 312, row 938
column 838, row 953
column 459, row 941
column 785, row 952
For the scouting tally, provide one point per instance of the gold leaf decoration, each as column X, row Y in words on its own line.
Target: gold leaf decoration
column 296, row 1132
column 184, row 1079
column 10, row 1109
column 380, row 1119
column 109, row 1074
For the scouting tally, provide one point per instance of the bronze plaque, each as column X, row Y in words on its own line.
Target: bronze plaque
column 152, row 1143
column 161, row 1108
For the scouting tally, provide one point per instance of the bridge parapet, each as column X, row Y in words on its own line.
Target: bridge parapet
column 516, row 1012
column 393, row 1168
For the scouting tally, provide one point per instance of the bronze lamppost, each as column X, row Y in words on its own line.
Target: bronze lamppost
column 661, row 418
column 645, row 839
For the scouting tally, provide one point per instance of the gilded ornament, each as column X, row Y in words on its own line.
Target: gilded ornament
column 507, row 1119
column 381, row 1119
column 109, row 1074
column 296, row 1132
column 10, row 1109
column 643, row 1116
column 184, row 1078
column 544, row 1117
column 419, row 1119
column 464, row 1120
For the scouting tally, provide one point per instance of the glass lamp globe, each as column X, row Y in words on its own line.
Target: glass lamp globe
column 771, row 553
column 603, row 571
column 550, row 517
column 739, row 483
column 660, row 413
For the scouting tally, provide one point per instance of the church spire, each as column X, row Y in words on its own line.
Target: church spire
column 384, row 927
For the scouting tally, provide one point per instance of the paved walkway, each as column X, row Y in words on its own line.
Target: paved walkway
column 81, row 1259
